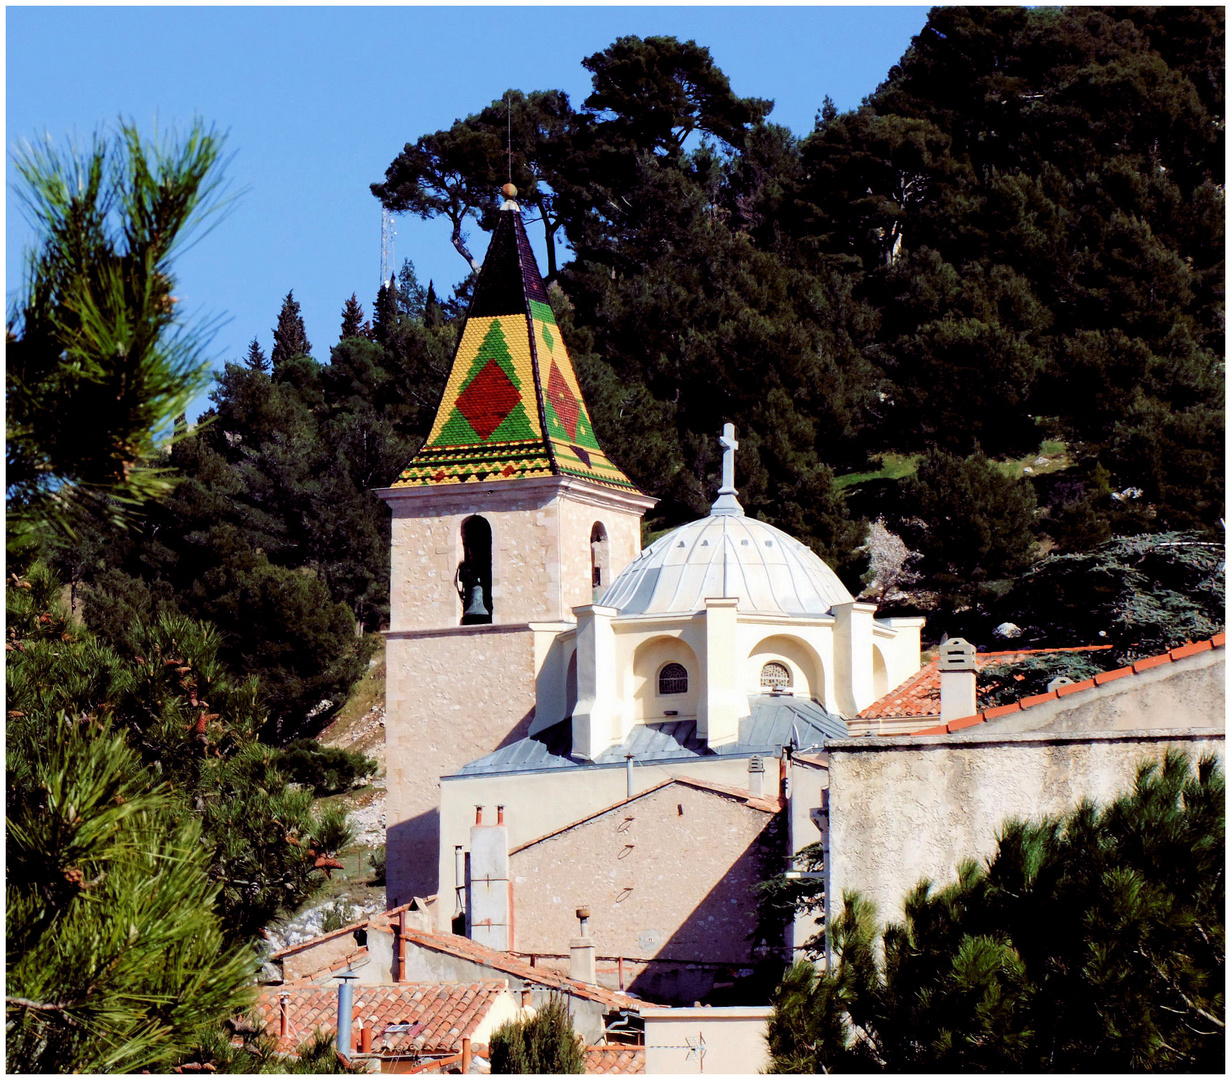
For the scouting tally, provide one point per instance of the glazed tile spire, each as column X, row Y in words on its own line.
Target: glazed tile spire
column 512, row 407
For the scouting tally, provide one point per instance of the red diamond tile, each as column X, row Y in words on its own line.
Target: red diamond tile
column 488, row 399
column 562, row 401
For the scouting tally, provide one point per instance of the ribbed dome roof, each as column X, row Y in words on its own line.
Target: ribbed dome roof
column 727, row 554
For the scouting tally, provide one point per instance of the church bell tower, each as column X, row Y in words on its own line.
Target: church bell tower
column 508, row 518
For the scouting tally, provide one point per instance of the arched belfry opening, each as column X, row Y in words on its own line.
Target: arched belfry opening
column 474, row 574
column 600, row 559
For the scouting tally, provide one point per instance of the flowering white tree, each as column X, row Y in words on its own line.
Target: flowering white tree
column 889, row 562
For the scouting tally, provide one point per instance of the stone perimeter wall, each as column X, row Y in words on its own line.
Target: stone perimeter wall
column 901, row 809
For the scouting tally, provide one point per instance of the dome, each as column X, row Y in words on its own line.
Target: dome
column 727, row 554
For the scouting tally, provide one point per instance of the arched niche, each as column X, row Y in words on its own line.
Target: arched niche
column 880, row 673
column 474, row 573
column 797, row 656
column 600, row 559
column 649, row 662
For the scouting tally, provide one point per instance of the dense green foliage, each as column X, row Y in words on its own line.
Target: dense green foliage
column 955, row 274
column 116, row 959
column 193, row 728
column 150, row 837
column 1034, row 250
column 1093, row 942
column 546, row 1043
column 328, row 770
column 97, row 362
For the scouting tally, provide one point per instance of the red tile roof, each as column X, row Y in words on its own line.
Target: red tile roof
column 467, row 949
column 439, row 1015
column 1218, row 641
column 610, row 1060
column 920, row 694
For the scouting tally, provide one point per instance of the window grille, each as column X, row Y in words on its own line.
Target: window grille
column 775, row 676
column 673, row 679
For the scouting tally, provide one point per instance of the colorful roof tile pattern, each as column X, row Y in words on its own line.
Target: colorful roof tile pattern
column 920, row 694
column 512, row 407
column 1218, row 641
column 431, row 1018
column 614, row 1060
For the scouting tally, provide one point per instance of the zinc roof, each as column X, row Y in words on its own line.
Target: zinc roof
column 773, row 721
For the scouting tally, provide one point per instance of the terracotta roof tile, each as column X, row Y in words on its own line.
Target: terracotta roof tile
column 1180, row 653
column 439, row 1015
column 920, row 694
column 612, row 1060
column 1111, row 676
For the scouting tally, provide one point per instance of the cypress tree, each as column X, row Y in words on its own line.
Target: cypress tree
column 256, row 358
column 290, row 337
column 352, row 318
column 386, row 316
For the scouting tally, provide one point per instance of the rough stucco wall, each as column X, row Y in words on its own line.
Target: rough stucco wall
column 659, row 883
column 901, row 810
column 1186, row 693
column 734, row 1041
column 536, row 803
column 450, row 698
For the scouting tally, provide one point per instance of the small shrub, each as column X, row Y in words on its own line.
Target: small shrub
column 376, row 860
column 328, row 770
column 339, row 914
column 546, row 1043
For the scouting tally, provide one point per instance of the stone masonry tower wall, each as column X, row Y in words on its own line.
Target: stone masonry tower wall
column 508, row 518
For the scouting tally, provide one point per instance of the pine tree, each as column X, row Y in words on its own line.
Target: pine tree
column 99, row 290
column 290, row 337
column 546, row 1043
column 1089, row 942
column 386, row 316
column 255, row 360
column 352, row 318
column 116, row 958
column 411, row 295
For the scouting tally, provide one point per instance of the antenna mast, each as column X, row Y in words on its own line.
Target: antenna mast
column 388, row 232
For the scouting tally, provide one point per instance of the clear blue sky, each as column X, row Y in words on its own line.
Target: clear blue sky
column 317, row 101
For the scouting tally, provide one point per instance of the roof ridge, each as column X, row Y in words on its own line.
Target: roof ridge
column 1137, row 667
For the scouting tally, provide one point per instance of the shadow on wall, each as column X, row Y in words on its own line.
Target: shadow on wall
column 714, row 956
column 413, row 845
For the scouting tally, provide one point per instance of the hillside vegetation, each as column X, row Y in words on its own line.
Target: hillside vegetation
column 985, row 313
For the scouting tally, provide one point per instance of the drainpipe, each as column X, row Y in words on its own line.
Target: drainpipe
column 346, row 1008
column 628, row 767
column 401, row 957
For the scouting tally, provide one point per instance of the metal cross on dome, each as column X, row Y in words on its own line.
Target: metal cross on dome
column 727, row 441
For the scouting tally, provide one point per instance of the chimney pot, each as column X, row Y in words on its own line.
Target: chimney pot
column 499, row 815
column 478, row 815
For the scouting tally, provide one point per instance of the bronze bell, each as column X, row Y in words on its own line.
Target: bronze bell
column 476, row 611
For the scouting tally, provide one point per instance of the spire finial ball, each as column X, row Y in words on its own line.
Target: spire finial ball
column 509, row 191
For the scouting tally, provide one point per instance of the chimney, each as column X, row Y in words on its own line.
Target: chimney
column 365, row 1036
column 346, row 1010
column 582, row 966
column 490, row 914
column 284, row 1015
column 756, row 776
column 957, row 680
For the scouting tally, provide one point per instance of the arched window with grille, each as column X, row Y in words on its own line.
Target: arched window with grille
column 775, row 676
column 673, row 679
